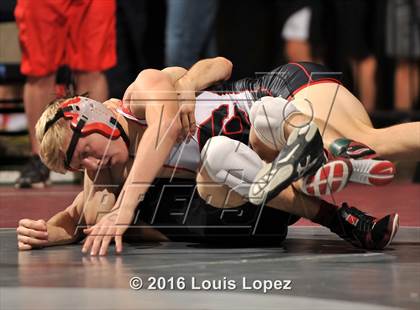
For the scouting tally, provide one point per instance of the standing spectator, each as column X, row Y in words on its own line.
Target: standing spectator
column 190, row 31
column 80, row 34
column 132, row 20
column 354, row 32
column 403, row 44
column 297, row 31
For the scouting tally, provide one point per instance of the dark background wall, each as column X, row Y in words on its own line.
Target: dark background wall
column 248, row 33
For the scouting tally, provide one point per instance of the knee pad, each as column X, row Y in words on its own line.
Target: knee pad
column 268, row 116
column 230, row 162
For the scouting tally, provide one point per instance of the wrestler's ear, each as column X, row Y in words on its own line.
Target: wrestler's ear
column 112, row 103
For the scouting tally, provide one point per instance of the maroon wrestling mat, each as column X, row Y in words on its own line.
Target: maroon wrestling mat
column 403, row 198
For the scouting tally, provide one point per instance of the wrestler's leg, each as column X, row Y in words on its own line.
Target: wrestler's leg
column 92, row 83
column 329, row 178
column 294, row 202
column 398, row 142
column 289, row 200
column 332, row 177
column 274, row 119
column 334, row 108
column 228, row 169
column 268, row 154
column 220, row 195
column 294, row 136
column 222, row 187
column 216, row 194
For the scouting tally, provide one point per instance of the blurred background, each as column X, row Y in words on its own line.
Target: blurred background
column 374, row 43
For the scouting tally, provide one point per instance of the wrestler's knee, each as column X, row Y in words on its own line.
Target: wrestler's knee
column 229, row 163
column 215, row 194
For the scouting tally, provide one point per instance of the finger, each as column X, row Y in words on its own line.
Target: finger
column 191, row 118
column 98, row 241
column 87, row 244
column 23, row 246
column 89, row 240
column 185, row 125
column 112, row 101
column 42, row 222
column 118, row 244
column 31, row 241
column 43, row 235
column 180, row 138
column 106, row 240
column 37, row 225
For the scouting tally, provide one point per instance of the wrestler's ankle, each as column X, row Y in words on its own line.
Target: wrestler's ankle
column 326, row 214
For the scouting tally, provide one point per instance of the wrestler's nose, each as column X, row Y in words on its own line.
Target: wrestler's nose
column 90, row 163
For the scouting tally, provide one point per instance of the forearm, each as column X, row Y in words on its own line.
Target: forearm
column 205, row 73
column 153, row 150
column 62, row 229
column 160, row 108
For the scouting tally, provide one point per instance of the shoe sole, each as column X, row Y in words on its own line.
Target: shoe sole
column 330, row 178
column 372, row 171
column 39, row 185
column 285, row 175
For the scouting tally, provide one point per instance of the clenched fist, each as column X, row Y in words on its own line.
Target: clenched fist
column 31, row 234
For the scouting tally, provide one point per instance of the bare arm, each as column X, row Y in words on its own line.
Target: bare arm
column 154, row 91
column 175, row 73
column 200, row 76
column 161, row 109
column 63, row 227
column 205, row 73
column 60, row 229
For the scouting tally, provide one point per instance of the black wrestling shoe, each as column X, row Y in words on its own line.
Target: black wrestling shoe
column 365, row 231
column 302, row 155
column 368, row 168
column 34, row 174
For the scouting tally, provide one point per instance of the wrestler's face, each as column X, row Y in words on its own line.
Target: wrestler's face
column 95, row 152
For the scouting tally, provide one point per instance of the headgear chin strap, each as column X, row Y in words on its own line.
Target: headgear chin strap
column 87, row 116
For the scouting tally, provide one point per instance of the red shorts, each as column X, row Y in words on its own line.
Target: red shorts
column 78, row 33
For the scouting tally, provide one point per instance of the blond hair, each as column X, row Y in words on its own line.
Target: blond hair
column 52, row 143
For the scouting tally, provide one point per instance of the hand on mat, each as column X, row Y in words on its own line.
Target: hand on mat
column 186, row 101
column 31, row 234
column 111, row 226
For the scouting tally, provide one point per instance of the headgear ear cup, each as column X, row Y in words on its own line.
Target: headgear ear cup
column 98, row 118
